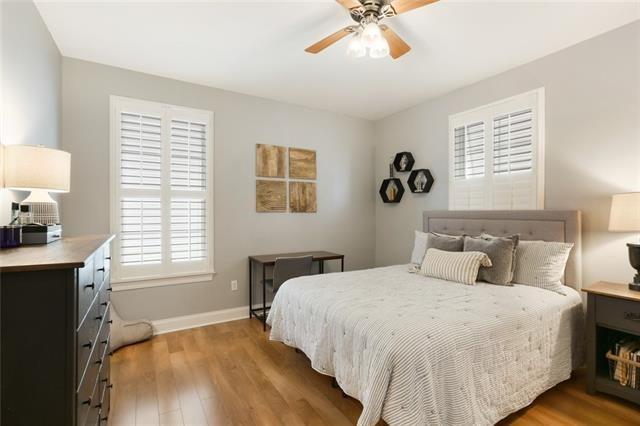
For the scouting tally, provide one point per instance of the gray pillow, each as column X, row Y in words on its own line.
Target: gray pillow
column 501, row 251
column 445, row 242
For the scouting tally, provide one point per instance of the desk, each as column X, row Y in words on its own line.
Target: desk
column 265, row 260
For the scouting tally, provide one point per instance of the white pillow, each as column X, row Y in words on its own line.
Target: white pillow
column 458, row 266
column 541, row 264
column 419, row 247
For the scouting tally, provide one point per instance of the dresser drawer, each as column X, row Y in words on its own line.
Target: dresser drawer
column 87, row 396
column 86, row 288
column 104, row 295
column 618, row 313
column 105, row 329
column 87, row 338
column 98, row 267
column 94, row 412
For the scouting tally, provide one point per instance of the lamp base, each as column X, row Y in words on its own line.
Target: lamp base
column 634, row 259
column 44, row 209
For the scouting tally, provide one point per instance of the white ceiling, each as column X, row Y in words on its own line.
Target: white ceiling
column 256, row 47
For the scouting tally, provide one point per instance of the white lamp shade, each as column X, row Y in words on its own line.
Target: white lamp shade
column 28, row 168
column 625, row 212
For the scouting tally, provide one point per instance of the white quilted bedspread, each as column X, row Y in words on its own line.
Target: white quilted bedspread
column 417, row 350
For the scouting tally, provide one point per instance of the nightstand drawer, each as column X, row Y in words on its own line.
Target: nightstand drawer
column 618, row 313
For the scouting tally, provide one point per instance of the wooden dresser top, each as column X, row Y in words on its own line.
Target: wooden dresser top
column 68, row 252
column 621, row 291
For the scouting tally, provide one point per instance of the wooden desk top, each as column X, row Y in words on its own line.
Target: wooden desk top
column 68, row 252
column 621, row 291
column 317, row 255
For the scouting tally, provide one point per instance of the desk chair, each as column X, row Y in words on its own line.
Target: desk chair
column 286, row 268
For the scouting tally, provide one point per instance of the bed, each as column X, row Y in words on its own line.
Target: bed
column 416, row 350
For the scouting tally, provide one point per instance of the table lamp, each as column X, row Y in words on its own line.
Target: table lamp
column 40, row 170
column 625, row 217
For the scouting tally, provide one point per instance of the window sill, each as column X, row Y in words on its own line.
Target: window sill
column 161, row 281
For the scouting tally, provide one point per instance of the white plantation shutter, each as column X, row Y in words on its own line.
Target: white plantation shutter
column 161, row 201
column 511, row 176
column 141, row 231
column 188, row 230
column 512, row 142
column 188, row 155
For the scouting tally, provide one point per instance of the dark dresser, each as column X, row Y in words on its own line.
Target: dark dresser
column 54, row 320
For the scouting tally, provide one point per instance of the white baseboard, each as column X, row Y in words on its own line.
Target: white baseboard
column 168, row 325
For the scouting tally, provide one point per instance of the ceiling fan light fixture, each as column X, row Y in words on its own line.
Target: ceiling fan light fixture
column 371, row 34
column 356, row 48
column 380, row 49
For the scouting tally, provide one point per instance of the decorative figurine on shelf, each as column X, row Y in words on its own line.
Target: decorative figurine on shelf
column 391, row 190
column 403, row 161
column 420, row 181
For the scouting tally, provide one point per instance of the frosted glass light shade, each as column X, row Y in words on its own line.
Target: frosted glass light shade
column 625, row 212
column 371, row 34
column 28, row 168
column 356, row 48
column 380, row 49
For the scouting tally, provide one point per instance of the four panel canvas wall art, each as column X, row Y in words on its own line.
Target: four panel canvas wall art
column 271, row 194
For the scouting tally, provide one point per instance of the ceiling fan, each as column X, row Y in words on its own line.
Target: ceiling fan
column 368, row 32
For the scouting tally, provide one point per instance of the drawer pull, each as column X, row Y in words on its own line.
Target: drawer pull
column 98, row 362
column 107, row 258
column 97, row 406
column 632, row 316
column 109, row 289
column 87, row 402
column 110, row 385
column 91, row 286
column 104, row 342
column 88, row 344
column 100, row 269
column 99, row 318
column 104, row 303
column 110, row 321
column 105, row 380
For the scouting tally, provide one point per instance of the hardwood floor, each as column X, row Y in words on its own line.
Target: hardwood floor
column 230, row 374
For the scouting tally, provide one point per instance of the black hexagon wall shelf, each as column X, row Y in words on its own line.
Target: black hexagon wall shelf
column 420, row 181
column 391, row 190
column 403, row 161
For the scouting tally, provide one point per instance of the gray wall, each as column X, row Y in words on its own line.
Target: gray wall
column 31, row 76
column 592, row 144
column 344, row 221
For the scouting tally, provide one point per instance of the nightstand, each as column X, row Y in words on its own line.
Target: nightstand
column 613, row 313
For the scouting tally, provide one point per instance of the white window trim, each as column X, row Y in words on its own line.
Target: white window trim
column 206, row 270
column 479, row 113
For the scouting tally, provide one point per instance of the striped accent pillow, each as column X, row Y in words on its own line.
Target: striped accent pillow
column 458, row 266
column 541, row 264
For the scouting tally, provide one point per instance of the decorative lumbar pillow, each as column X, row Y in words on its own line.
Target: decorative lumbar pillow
column 445, row 242
column 127, row 332
column 461, row 267
column 541, row 264
column 419, row 247
column 501, row 251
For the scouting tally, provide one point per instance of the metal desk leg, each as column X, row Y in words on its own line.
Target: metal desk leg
column 321, row 266
column 264, row 298
column 250, row 289
column 342, row 263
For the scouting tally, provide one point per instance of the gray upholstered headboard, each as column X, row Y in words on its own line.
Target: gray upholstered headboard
column 545, row 225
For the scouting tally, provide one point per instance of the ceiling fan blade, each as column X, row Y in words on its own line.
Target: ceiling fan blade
column 397, row 46
column 402, row 6
column 328, row 41
column 350, row 4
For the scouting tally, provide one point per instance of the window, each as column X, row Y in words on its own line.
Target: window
column 496, row 155
column 161, row 193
